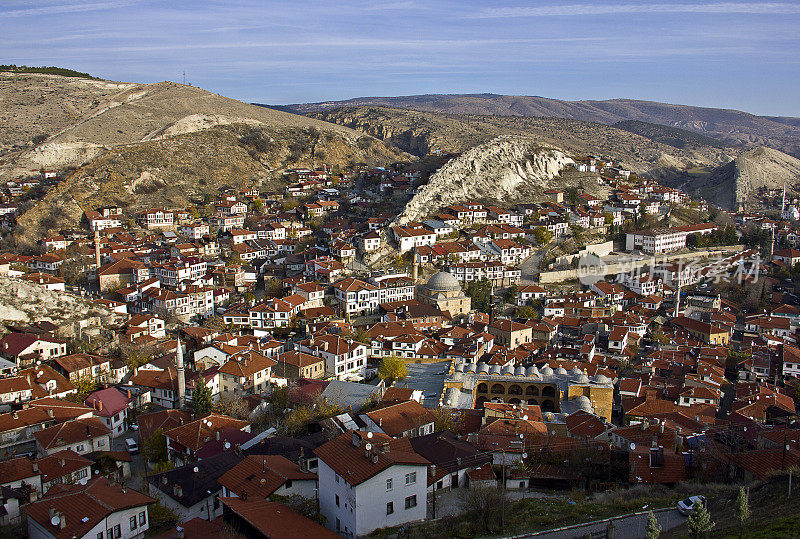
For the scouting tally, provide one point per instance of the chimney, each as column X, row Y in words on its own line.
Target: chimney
column 62, row 462
column 216, row 434
column 35, row 466
column 62, row 521
column 50, row 412
column 179, row 533
column 656, row 457
column 128, row 393
column 15, row 415
column 99, row 405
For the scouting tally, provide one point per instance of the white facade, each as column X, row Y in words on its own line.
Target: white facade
column 120, row 524
column 358, row 510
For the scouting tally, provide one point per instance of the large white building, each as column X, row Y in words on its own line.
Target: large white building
column 664, row 240
column 344, row 358
column 369, row 481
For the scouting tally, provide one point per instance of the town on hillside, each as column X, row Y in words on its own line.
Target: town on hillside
column 299, row 364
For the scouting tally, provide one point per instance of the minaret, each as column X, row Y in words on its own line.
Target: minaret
column 783, row 201
column 181, row 375
column 97, row 249
column 677, row 300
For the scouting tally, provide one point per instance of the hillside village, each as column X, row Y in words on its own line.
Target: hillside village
column 296, row 360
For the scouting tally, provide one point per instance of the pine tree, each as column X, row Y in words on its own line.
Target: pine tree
column 742, row 509
column 653, row 527
column 201, row 398
column 699, row 522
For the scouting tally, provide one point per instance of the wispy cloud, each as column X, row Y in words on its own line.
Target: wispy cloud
column 57, row 9
column 770, row 8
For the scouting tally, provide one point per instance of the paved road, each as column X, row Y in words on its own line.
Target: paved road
column 530, row 266
column 632, row 527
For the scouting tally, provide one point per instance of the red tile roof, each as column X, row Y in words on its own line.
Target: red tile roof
column 83, row 507
column 276, row 520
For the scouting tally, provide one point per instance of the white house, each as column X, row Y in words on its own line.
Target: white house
column 98, row 509
column 369, row 481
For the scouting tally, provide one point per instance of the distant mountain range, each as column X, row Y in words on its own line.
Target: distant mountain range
column 732, row 127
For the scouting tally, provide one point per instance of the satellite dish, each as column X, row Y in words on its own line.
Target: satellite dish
column 40, row 373
column 196, row 469
column 369, row 435
column 55, row 521
column 368, row 447
column 633, row 446
column 227, row 445
column 525, row 417
column 84, row 481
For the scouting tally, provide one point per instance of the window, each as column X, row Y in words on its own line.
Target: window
column 142, row 518
column 411, row 501
column 99, row 535
column 117, row 531
column 390, row 508
column 389, row 484
column 411, row 478
column 337, row 500
column 337, row 477
column 109, row 534
column 133, row 522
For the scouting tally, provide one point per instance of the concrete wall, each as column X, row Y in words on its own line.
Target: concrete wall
column 599, row 249
column 613, row 269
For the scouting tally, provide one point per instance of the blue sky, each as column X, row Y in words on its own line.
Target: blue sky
column 734, row 54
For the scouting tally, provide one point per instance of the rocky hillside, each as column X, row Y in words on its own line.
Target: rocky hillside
column 177, row 170
column 737, row 181
column 23, row 302
column 424, row 132
column 51, row 121
column 671, row 136
column 142, row 145
column 730, row 126
column 510, row 167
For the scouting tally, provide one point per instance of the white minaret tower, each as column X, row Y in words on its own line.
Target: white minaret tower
column 181, row 375
column 783, row 202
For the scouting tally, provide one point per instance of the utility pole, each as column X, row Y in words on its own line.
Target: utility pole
column 184, row 78
column 785, row 447
column 503, row 499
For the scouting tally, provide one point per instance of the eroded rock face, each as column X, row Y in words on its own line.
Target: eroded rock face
column 24, row 302
column 501, row 169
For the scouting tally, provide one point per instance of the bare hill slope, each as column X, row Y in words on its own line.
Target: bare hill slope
column 424, row 132
column 736, row 182
column 510, row 167
column 80, row 118
column 731, row 126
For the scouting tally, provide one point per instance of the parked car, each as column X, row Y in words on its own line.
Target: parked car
column 133, row 447
column 686, row 507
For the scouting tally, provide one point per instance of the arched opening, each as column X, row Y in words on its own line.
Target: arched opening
column 514, row 401
column 533, row 402
column 548, row 391
column 514, row 389
column 548, row 406
column 479, row 402
column 532, row 391
column 482, row 388
column 498, row 388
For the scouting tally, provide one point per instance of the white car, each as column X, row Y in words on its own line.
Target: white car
column 132, row 446
column 686, row 507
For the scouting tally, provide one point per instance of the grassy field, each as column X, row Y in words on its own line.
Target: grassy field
column 536, row 514
column 774, row 512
